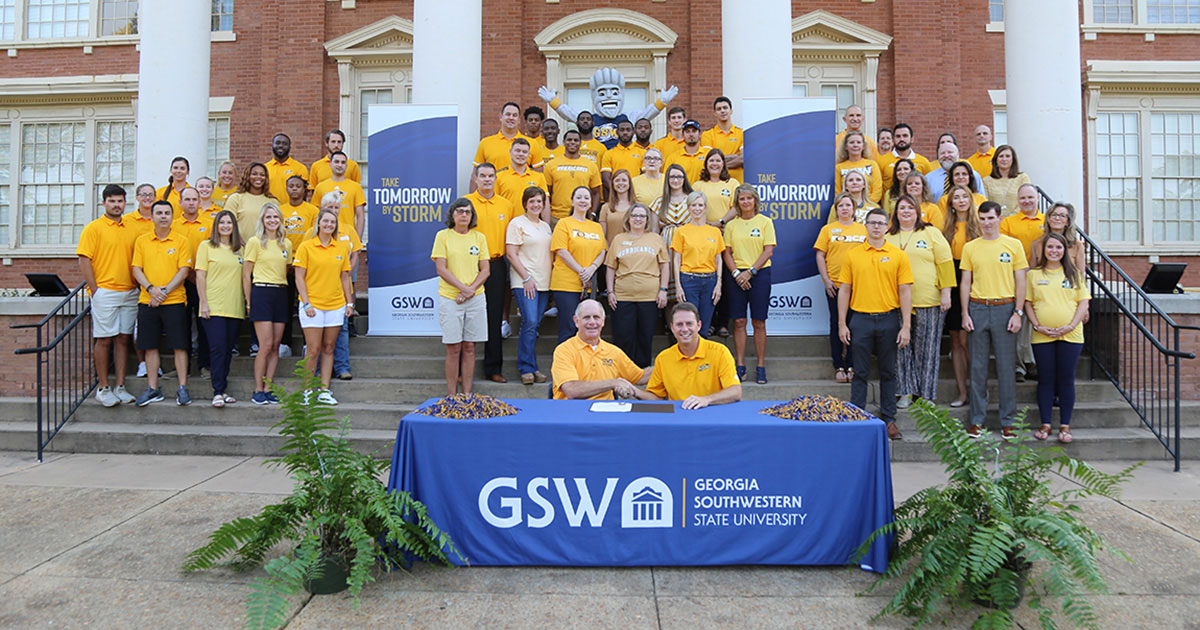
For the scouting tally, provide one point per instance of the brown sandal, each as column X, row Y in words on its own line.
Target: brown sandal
column 840, row 376
column 1042, row 433
column 1064, row 435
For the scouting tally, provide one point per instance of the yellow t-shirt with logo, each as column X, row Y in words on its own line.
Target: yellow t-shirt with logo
column 729, row 142
column 623, row 157
column 222, row 281
column 160, row 260
column 297, row 222
column 109, row 246
column 575, row 360
column 352, row 197
column 584, row 241
column 219, row 195
column 927, row 249
column 835, row 240
column 462, row 252
column 698, row 247
column 746, row 239
column 719, row 196
column 708, row 371
column 1055, row 301
column 323, row 266
column 270, row 262
column 869, row 170
column 564, row 175
column 511, row 185
column 875, row 276
column 993, row 265
column 593, row 150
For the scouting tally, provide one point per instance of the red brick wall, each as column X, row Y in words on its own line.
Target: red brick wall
column 19, row 376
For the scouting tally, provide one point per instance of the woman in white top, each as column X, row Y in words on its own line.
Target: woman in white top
column 527, row 247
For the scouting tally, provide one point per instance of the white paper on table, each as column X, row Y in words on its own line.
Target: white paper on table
column 611, row 406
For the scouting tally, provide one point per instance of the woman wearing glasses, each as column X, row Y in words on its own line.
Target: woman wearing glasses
column 637, row 271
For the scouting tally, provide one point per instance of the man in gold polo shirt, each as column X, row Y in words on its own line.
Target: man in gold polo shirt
column 726, row 137
column 1026, row 226
column 876, row 283
column 695, row 370
column 993, row 310
column 282, row 166
column 162, row 260
column 691, row 156
column 625, row 155
column 586, row 366
column 105, row 250
column 189, row 224
column 320, row 170
column 494, row 149
column 981, row 161
column 512, row 181
column 493, row 212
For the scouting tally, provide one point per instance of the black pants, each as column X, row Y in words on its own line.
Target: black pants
column 633, row 330
column 201, row 351
column 495, row 289
column 875, row 333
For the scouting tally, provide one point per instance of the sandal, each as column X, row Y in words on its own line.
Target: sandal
column 761, row 375
column 741, row 373
column 849, row 375
column 1064, row 435
column 218, row 401
column 840, row 375
column 1043, row 432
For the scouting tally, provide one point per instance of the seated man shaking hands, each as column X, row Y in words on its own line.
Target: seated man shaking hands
column 586, row 366
column 697, row 371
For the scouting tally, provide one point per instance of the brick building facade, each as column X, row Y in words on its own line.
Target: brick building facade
column 68, row 100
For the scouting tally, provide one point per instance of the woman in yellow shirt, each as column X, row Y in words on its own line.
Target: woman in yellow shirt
column 227, row 183
column 264, row 280
column 916, row 187
column 637, row 270
column 933, row 278
column 961, row 225
column 252, row 194
column 834, row 240
column 649, row 185
column 222, row 305
column 749, row 244
column 961, row 174
column 855, row 155
column 1056, row 300
column 578, row 245
column 176, row 182
column 322, row 266
column 900, row 171
column 697, row 249
column 1005, row 180
column 461, row 257
column 717, row 186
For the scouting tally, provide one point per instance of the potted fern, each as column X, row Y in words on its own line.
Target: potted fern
column 995, row 531
column 340, row 520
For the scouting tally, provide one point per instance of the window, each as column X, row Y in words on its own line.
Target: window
column 366, row 99
column 1118, row 177
column 8, row 19
column 996, row 10
column 845, row 98
column 115, row 154
column 5, row 161
column 999, row 127
column 1112, row 11
column 1173, row 11
column 222, row 15
column 118, row 17
column 218, row 144
column 57, row 18
column 1175, row 176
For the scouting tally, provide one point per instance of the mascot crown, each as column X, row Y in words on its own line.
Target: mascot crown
column 607, row 76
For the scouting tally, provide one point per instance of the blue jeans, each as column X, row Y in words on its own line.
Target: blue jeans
column 698, row 289
column 341, row 350
column 531, row 311
column 567, row 302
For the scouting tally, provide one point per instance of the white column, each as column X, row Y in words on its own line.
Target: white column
column 1044, row 94
column 448, row 66
column 756, row 50
column 173, row 69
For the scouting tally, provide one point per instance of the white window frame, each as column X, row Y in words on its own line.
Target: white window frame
column 1140, row 23
column 822, row 40
column 20, row 41
column 1142, row 87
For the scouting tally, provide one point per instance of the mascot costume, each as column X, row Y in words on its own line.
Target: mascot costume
column 608, row 99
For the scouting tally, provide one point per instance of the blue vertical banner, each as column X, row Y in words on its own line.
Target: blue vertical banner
column 789, row 160
column 412, row 168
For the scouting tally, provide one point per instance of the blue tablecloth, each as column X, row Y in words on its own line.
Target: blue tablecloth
column 558, row 484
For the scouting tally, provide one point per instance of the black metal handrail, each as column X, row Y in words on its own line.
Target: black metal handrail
column 1134, row 343
column 65, row 374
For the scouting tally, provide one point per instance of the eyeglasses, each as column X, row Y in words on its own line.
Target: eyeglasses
column 462, row 211
column 651, row 158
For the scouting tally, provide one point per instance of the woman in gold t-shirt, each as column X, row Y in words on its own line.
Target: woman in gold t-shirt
column 637, row 272
column 222, row 304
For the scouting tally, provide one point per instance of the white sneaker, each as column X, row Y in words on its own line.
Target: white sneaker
column 326, row 398
column 122, row 395
column 505, row 330
column 551, row 312
column 141, row 372
column 106, row 397
column 253, row 349
column 285, row 351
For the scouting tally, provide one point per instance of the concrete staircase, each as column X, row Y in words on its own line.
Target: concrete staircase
column 393, row 376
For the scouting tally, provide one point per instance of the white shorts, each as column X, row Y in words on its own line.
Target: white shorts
column 114, row 312
column 463, row 322
column 323, row 319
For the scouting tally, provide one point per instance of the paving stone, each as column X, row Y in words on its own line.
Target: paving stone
column 599, row 581
column 16, row 461
column 1183, row 516
column 1164, row 561
column 250, row 476
column 790, row 613
column 151, row 472
column 760, row 581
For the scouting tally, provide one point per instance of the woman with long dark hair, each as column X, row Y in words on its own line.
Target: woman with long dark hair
column 1005, row 180
column 222, row 303
column 962, row 225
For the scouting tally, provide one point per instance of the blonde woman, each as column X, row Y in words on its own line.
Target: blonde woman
column 264, row 281
column 834, row 240
column 855, row 155
column 322, row 266
column 227, row 183
column 696, row 250
column 962, row 225
column 222, row 302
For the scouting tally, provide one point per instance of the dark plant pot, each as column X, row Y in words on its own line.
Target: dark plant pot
column 1023, row 571
column 334, row 573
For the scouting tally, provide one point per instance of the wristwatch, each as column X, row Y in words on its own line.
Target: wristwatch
column 753, row 271
column 1019, row 313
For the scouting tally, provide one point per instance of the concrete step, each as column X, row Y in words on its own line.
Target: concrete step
column 1091, row 444
column 779, row 346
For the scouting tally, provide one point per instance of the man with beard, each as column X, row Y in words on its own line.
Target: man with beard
column 691, row 157
column 283, row 166
column 936, row 179
column 902, row 135
column 625, row 155
column 642, row 130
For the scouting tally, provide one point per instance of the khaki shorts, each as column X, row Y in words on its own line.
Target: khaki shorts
column 463, row 322
column 114, row 312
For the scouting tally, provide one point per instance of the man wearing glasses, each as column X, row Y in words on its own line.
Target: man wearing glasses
column 876, row 283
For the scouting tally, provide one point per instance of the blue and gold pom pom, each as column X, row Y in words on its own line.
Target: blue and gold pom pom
column 817, row 409
column 468, row 407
